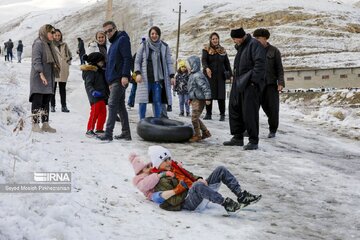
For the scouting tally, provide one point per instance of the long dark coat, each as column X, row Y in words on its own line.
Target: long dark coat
column 218, row 64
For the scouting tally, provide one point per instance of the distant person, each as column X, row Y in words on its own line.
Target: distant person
column 44, row 68
column 181, row 88
column 274, row 79
column 216, row 65
column 19, row 49
column 9, row 50
column 199, row 96
column 244, row 102
column 117, row 75
column 64, row 55
column 5, row 52
column 81, row 50
column 97, row 91
column 131, row 99
column 154, row 74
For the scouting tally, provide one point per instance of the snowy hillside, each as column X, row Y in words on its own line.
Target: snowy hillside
column 325, row 34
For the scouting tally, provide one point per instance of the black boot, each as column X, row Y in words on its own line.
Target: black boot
column 222, row 118
column 251, row 146
column 124, row 135
column 235, row 141
column 246, row 198
column 65, row 109
column 52, row 108
column 207, row 117
column 230, row 205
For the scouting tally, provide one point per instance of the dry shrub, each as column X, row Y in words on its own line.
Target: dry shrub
column 339, row 115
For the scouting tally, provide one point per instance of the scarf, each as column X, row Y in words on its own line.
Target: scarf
column 212, row 50
column 49, row 48
column 156, row 59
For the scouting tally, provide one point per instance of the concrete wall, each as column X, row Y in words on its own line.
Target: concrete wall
column 313, row 78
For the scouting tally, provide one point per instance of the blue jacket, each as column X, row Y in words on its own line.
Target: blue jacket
column 119, row 58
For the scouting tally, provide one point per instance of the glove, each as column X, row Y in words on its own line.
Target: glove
column 96, row 94
column 181, row 187
column 166, row 174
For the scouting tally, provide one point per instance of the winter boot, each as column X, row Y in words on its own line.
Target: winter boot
column 181, row 114
column 36, row 128
column 205, row 134
column 207, row 117
column 188, row 114
column 104, row 138
column 234, row 141
column 46, row 128
column 124, row 135
column 222, row 118
column 246, row 198
column 52, row 109
column 65, row 109
column 230, row 205
column 195, row 138
column 90, row 134
column 169, row 108
column 271, row 135
column 251, row 146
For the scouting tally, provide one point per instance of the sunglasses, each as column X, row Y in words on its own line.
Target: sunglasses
column 108, row 31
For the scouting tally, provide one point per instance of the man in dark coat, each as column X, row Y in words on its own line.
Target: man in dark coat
column 81, row 50
column 9, row 49
column 244, row 103
column 274, row 79
column 117, row 75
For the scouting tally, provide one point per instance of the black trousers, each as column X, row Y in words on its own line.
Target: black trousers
column 244, row 112
column 221, row 104
column 62, row 90
column 40, row 107
column 270, row 104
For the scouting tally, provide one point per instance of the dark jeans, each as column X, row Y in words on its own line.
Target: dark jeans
column 221, row 104
column 155, row 90
column 116, row 105
column 199, row 191
column 270, row 104
column 184, row 100
column 9, row 56
column 40, row 102
column 62, row 90
column 131, row 100
column 244, row 112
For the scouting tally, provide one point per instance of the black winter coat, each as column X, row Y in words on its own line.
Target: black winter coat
column 274, row 67
column 218, row 64
column 94, row 79
column 250, row 59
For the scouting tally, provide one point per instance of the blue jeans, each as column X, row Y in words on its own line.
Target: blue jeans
column 199, row 191
column 116, row 104
column 155, row 89
column 184, row 100
column 131, row 100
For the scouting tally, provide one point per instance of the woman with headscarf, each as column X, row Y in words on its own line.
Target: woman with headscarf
column 44, row 68
column 64, row 55
column 217, row 69
column 154, row 73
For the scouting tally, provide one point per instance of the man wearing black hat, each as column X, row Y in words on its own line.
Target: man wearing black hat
column 244, row 103
column 274, row 79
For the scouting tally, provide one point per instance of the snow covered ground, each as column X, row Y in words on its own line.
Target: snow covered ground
column 308, row 176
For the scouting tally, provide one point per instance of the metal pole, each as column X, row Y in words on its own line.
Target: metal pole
column 109, row 10
column 178, row 37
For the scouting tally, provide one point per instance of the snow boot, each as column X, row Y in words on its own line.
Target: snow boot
column 124, row 135
column 181, row 114
column 46, row 128
column 104, row 138
column 52, row 109
column 195, row 138
column 234, row 141
column 222, row 118
column 65, row 109
column 271, row 135
column 207, row 117
column 205, row 134
column 251, row 146
column 246, row 198
column 36, row 128
column 230, row 205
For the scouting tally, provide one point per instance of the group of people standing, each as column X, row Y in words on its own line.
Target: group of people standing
column 8, row 50
column 257, row 78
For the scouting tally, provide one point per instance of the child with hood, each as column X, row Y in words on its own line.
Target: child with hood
column 97, row 91
column 199, row 95
column 181, row 81
column 146, row 181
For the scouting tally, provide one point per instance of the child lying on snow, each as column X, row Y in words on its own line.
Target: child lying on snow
column 146, row 181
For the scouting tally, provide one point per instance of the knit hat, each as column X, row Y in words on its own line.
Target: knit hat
column 138, row 165
column 237, row 33
column 94, row 57
column 261, row 32
column 158, row 154
column 181, row 64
